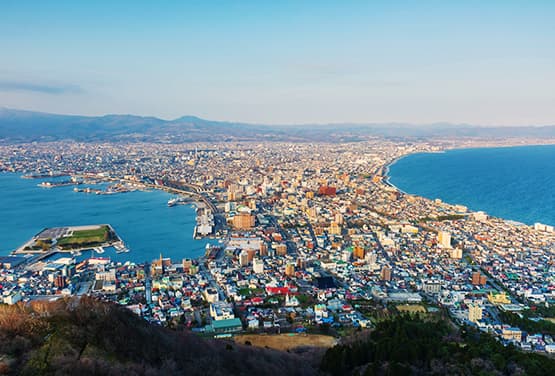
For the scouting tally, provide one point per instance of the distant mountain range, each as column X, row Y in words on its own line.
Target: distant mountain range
column 26, row 126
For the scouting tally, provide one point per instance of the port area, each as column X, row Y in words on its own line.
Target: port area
column 71, row 240
column 205, row 220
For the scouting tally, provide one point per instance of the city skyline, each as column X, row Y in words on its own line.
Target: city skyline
column 286, row 63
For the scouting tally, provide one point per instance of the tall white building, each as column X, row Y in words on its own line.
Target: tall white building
column 444, row 239
column 258, row 266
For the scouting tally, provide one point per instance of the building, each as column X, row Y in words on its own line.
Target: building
column 542, row 227
column 210, row 295
column 359, row 252
column 325, row 190
column 290, row 270
column 385, row 274
column 60, row 282
column 258, row 266
column 474, row 312
column 281, row 249
column 159, row 266
column 243, row 258
column 431, row 287
column 226, row 326
column 444, row 239
column 512, row 334
column 187, row 264
column 243, row 221
column 334, row 229
column 263, row 249
column 456, row 253
column 12, row 298
column 498, row 298
column 478, row 279
column 221, row 311
column 250, row 254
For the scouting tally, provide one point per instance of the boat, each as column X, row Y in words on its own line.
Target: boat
column 99, row 250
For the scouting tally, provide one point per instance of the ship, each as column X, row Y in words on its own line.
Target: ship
column 120, row 247
column 178, row 201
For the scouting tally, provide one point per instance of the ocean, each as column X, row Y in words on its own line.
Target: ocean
column 515, row 183
column 143, row 220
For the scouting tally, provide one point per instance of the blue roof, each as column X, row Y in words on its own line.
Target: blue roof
column 221, row 324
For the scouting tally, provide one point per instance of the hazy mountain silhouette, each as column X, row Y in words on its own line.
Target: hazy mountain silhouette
column 25, row 126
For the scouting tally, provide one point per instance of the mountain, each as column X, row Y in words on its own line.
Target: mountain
column 26, row 126
column 83, row 336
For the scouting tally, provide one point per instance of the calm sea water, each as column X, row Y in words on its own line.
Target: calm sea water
column 516, row 183
column 142, row 219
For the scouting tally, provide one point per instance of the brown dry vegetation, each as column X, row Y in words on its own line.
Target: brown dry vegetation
column 284, row 342
column 90, row 337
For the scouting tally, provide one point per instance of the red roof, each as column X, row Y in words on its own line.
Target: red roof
column 277, row 290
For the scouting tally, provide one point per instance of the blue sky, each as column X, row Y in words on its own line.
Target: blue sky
column 480, row 62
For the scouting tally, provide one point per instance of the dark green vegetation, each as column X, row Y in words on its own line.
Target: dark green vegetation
column 409, row 345
column 87, row 238
column 537, row 325
column 450, row 217
column 86, row 337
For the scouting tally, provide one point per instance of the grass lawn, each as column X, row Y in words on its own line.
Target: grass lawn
column 86, row 237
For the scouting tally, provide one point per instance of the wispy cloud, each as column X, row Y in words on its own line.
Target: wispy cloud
column 9, row 85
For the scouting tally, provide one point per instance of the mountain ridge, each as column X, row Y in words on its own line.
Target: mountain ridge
column 29, row 126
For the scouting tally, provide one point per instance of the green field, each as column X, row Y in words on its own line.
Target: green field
column 86, row 238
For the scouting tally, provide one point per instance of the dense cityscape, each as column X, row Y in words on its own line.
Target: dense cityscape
column 312, row 239
column 296, row 188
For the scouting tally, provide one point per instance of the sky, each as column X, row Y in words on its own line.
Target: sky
column 283, row 62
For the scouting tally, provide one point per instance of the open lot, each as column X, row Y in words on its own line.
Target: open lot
column 287, row 341
column 411, row 308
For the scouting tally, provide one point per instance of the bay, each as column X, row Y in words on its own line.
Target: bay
column 515, row 183
column 142, row 219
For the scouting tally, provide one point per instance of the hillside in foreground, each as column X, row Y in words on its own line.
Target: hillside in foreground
column 88, row 337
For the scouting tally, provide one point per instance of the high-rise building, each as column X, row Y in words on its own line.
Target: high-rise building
column 290, row 270
column 474, row 312
column 244, row 258
column 263, row 249
column 444, row 239
column 251, row 253
column 258, row 266
column 359, row 252
column 385, row 274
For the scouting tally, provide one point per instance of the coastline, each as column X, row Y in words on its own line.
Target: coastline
column 176, row 225
column 386, row 172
